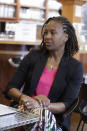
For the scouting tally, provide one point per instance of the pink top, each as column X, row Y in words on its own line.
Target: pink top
column 45, row 82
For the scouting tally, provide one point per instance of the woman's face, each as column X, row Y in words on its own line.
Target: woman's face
column 54, row 36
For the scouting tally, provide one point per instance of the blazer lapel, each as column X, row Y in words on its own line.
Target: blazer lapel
column 58, row 84
column 37, row 71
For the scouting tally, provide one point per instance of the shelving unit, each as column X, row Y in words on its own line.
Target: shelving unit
column 18, row 6
column 26, row 11
column 17, row 9
column 8, row 11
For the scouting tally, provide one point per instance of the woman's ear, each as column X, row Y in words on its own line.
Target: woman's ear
column 66, row 37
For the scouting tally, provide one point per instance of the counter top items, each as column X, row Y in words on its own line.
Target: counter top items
column 85, row 78
column 15, row 61
column 12, row 118
column 5, row 110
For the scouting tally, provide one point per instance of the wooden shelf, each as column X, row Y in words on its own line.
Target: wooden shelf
column 13, row 4
column 9, row 19
column 35, row 7
column 29, row 19
column 18, row 8
column 5, row 52
column 12, row 18
column 20, row 42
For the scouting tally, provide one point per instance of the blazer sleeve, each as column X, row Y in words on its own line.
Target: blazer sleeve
column 20, row 75
column 74, row 82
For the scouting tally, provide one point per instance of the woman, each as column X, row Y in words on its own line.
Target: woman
column 51, row 76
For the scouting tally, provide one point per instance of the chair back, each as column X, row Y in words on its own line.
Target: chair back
column 83, row 111
column 82, row 106
column 71, row 108
column 83, row 92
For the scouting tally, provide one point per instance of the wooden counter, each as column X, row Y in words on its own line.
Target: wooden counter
column 12, row 42
column 16, row 47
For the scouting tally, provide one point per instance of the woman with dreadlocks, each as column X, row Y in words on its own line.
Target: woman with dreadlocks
column 51, row 76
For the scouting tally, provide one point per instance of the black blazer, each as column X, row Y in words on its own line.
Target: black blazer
column 67, row 82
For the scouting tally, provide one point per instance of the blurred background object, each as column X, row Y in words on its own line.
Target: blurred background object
column 84, row 20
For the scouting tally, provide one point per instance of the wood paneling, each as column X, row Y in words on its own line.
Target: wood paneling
column 69, row 9
column 6, row 70
column 83, row 59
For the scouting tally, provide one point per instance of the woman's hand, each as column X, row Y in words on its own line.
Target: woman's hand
column 43, row 101
column 28, row 102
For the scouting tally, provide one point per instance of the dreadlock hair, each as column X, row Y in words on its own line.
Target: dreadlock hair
column 71, row 45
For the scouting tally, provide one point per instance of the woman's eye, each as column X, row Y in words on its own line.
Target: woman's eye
column 53, row 32
column 45, row 32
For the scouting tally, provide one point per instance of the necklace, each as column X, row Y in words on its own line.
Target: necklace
column 52, row 64
column 51, row 67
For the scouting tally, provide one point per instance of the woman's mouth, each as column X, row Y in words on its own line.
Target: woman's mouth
column 47, row 43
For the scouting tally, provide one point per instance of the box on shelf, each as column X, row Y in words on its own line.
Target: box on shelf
column 54, row 4
column 7, row 11
column 38, row 32
column 39, row 3
column 32, row 13
column 7, row 1
column 25, row 32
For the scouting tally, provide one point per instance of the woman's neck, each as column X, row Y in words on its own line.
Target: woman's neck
column 57, row 54
column 54, row 59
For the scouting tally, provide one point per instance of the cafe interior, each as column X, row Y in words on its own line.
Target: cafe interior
column 20, row 30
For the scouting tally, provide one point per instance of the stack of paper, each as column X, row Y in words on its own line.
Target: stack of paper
column 54, row 4
column 39, row 3
column 4, row 110
column 31, row 13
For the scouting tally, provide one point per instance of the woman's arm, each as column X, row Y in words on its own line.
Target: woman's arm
column 14, row 94
column 24, row 100
column 19, row 77
column 58, row 107
column 74, row 81
column 13, row 88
